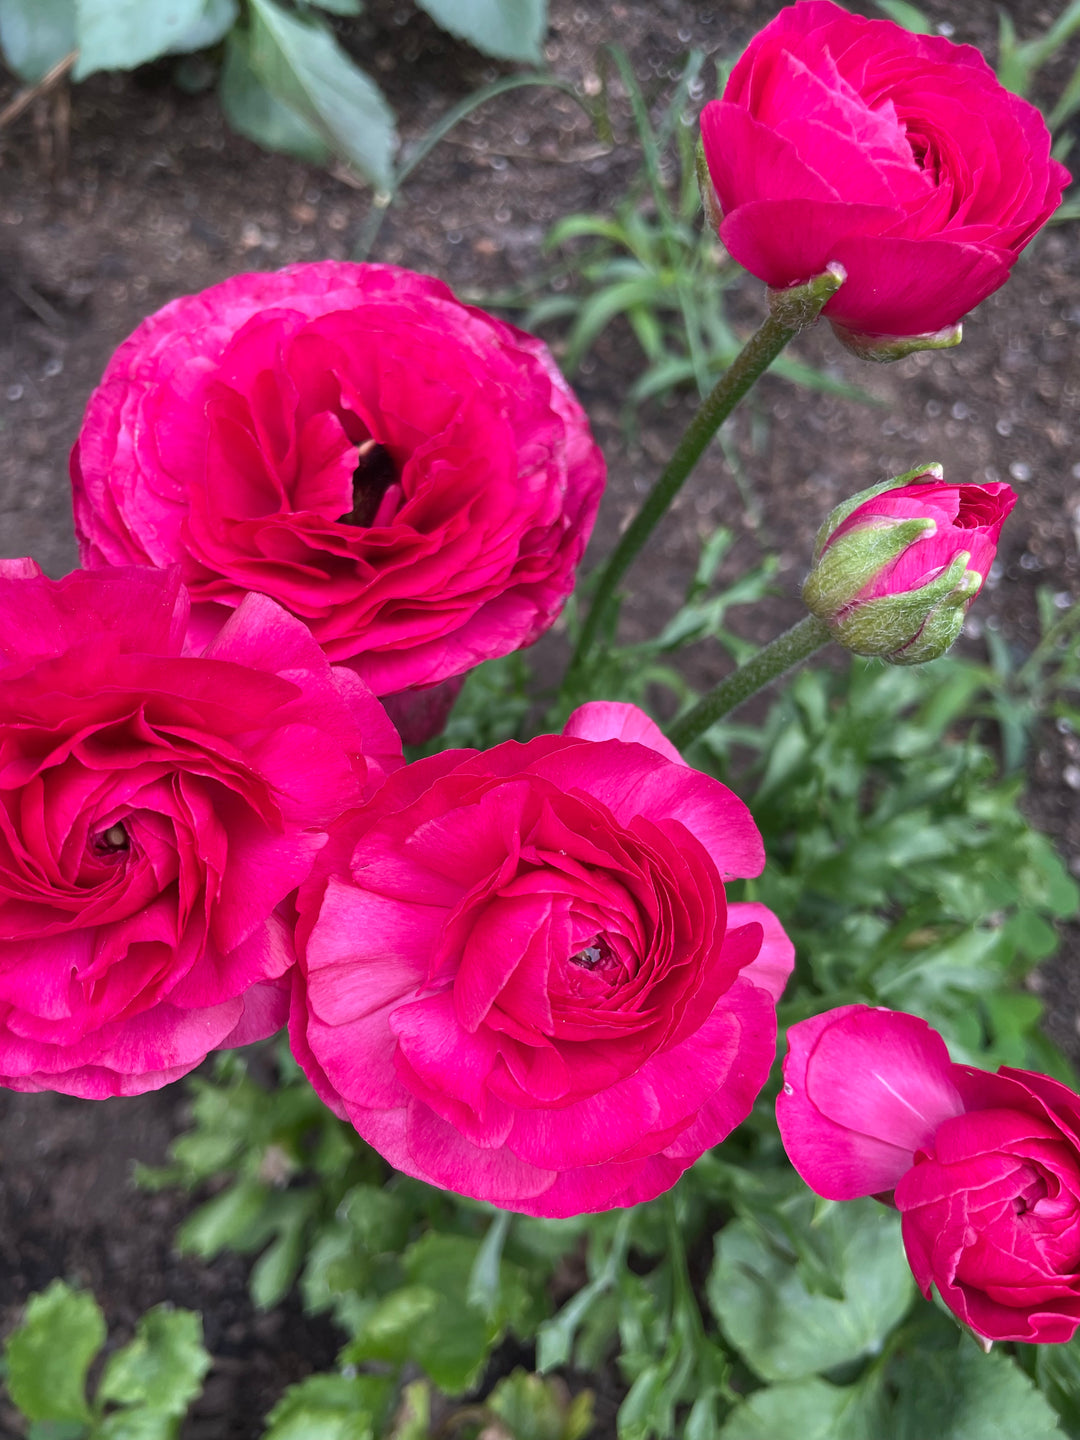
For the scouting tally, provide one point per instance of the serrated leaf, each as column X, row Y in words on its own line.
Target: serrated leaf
column 427, row 1322
column 298, row 60
column 35, row 35
column 507, row 29
column 121, row 34
column 330, row 1407
column 770, row 1308
column 51, row 1351
column 163, row 1367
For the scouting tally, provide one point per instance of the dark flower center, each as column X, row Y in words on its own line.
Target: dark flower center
column 112, row 841
column 373, row 476
column 597, row 953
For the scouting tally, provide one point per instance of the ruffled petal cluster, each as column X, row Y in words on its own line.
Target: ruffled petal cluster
column 520, row 977
column 157, row 807
column 408, row 475
column 898, row 156
column 984, row 1168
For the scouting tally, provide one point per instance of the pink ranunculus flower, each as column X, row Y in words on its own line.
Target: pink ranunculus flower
column 157, row 810
column 984, row 1168
column 897, row 567
column 520, row 978
column 410, row 476
column 899, row 156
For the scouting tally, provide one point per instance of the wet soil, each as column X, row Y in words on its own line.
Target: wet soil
column 130, row 192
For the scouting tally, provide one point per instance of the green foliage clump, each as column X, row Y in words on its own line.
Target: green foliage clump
column 144, row 1390
column 284, row 79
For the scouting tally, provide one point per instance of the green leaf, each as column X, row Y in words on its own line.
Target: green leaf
column 770, row 1305
column 1068, row 103
column 51, row 1351
column 486, row 1274
column 508, row 29
column 907, row 15
column 427, row 1322
column 301, row 64
column 330, row 1407
column 121, row 34
column 277, row 1267
column 1057, row 1371
column 211, row 26
column 962, row 1394
column 598, row 311
column 228, row 1220
column 413, row 1418
column 805, row 1410
column 338, row 7
column 534, row 1408
column 35, row 35
column 163, row 1367
column 137, row 1424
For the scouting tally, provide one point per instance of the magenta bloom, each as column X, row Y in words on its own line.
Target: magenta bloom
column 156, row 809
column 408, row 475
column 984, row 1168
column 967, row 519
column 899, row 156
column 896, row 569
column 520, row 978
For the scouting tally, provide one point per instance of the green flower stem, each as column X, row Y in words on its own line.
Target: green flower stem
column 790, row 311
column 789, row 649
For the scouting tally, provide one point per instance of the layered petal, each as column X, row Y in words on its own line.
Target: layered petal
column 522, row 981
column 408, row 475
column 157, row 809
column 984, row 1169
column 898, row 156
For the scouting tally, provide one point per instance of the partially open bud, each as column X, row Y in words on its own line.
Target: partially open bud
column 897, row 566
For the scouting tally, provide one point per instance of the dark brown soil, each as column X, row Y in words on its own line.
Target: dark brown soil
column 149, row 195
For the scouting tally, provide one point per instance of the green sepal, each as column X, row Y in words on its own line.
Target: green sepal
column 943, row 625
column 800, row 305
column 890, row 624
column 835, row 518
column 850, row 563
column 884, row 349
column 709, row 203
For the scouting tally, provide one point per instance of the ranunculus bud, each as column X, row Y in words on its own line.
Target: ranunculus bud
column 896, row 567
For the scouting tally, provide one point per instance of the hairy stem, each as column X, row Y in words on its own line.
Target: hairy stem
column 790, row 311
column 789, row 649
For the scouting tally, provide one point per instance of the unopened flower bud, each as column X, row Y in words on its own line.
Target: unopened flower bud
column 897, row 566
